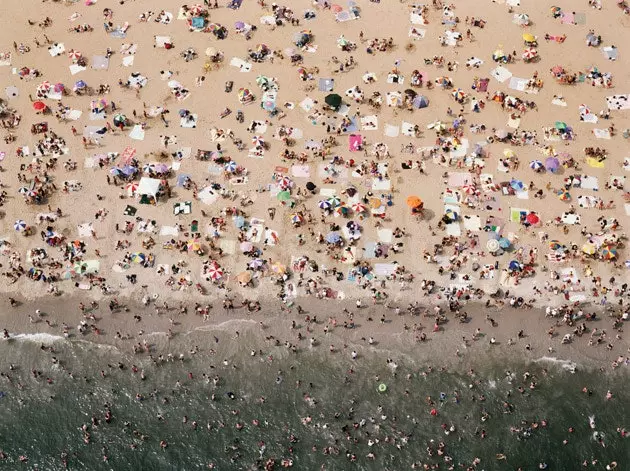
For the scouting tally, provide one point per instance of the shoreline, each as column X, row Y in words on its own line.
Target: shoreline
column 399, row 335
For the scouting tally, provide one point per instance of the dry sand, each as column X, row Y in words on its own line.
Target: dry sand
column 207, row 100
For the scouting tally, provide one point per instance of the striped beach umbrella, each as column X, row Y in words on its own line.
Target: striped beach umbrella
column 19, row 225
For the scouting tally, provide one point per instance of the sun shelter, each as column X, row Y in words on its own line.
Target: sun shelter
column 149, row 189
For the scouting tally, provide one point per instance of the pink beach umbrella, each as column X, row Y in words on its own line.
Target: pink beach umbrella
column 74, row 55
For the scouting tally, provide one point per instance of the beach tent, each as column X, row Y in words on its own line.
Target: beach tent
column 149, row 188
column 420, row 101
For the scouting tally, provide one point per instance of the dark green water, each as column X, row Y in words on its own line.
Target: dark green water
column 346, row 412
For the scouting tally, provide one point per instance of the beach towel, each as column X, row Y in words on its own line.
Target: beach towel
column 417, row 33
column 571, row 218
column 501, row 74
column 384, row 269
column 515, row 214
column 99, row 63
column 137, row 133
column 186, row 122
column 589, row 183
column 76, row 68
column 472, row 222
column 602, row 133
column 610, row 52
column 618, row 102
column 11, row 92
column 327, row 192
column 97, row 116
column 56, row 49
column 127, row 61
column 228, row 246
column 559, row 101
column 567, row 18
column 594, row 162
column 326, row 84
column 85, row 230
column 163, row 41
column 5, row 59
column 407, row 129
column 301, row 171
column 391, row 130
column 241, row 64
column 454, row 229
column 520, row 84
column 381, row 185
column 369, row 123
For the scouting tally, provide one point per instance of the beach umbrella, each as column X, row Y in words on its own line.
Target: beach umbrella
column 230, row 166
column 555, row 245
column 459, row 94
column 324, row 204
column 74, row 55
column 521, row 19
column 359, row 208
column 334, row 201
column 414, row 201
column 244, row 277
column 211, row 52
column 333, row 100
column 39, row 106
column 515, row 265
column 557, row 70
column 589, row 249
column 23, row 190
column 310, row 186
column 530, row 38
column 197, row 9
column 563, row 195
column 450, row 215
column 609, row 252
column 256, row 263
column 243, row 93
column 504, row 243
column 132, row 188
column 80, row 85
column 532, row 218
column 193, row 245
column 536, row 165
column 214, row 271
column 19, row 225
column 44, row 87
column 501, row 133
column 509, row 153
column 517, row 185
column 469, row 189
column 333, row 237
column 120, row 119
column 246, row 246
column 530, row 53
column 552, row 164
column 492, row 245
column 239, row 221
column 342, row 210
column 375, row 203
column 284, row 196
column 278, row 268
column 268, row 105
column 297, row 218
column 239, row 25
column 285, row 183
column 561, row 126
column 556, row 11
column 138, row 257
column 258, row 141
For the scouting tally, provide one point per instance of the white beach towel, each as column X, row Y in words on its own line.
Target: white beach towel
column 501, row 74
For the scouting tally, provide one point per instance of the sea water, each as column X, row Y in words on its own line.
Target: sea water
column 318, row 410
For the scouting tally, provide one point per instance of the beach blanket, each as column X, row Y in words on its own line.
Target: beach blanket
column 301, row 171
column 56, row 49
column 99, row 63
column 501, row 74
column 602, row 133
column 326, row 84
column 610, row 52
column 76, row 68
column 559, row 101
column 407, row 129
column 5, row 59
column 417, row 33
column 520, row 84
column 472, row 222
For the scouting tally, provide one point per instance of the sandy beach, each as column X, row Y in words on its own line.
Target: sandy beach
column 373, row 179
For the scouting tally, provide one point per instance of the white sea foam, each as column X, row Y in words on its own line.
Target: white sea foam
column 565, row 364
column 41, row 337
